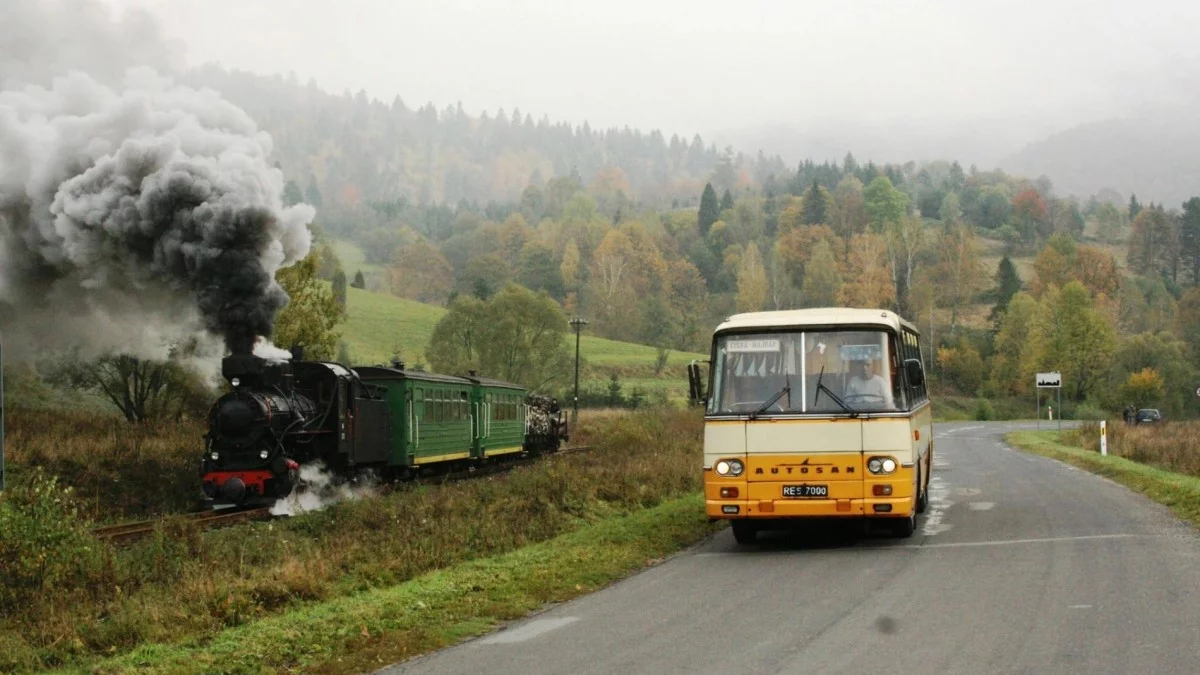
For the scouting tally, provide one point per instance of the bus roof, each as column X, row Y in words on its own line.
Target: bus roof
column 819, row 316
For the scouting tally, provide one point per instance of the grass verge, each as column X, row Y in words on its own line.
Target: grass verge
column 362, row 632
column 1179, row 492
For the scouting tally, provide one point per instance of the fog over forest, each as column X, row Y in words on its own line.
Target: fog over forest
column 891, row 81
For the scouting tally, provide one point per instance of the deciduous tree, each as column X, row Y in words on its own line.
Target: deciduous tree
column 312, row 316
column 822, row 280
column 420, row 272
column 868, row 278
column 751, row 281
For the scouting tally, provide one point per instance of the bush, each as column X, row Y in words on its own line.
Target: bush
column 983, row 410
column 43, row 542
column 1088, row 412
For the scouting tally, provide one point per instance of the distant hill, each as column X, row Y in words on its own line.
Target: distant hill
column 1156, row 158
column 346, row 150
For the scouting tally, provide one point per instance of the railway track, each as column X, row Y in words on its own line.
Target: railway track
column 130, row 532
column 125, row 533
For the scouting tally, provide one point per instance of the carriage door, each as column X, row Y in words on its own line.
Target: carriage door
column 416, row 415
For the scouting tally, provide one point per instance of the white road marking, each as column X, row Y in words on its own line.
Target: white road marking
column 1079, row 607
column 1046, row 540
column 931, row 523
column 527, row 631
column 967, row 492
column 981, row 506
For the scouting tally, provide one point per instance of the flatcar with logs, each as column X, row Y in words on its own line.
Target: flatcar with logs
column 390, row 422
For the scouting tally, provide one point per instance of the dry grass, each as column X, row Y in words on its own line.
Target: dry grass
column 188, row 585
column 1174, row 446
column 118, row 470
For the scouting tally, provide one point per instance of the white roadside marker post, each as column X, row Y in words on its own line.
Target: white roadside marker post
column 1104, row 437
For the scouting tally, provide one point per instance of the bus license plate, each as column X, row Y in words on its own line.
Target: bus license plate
column 805, row 490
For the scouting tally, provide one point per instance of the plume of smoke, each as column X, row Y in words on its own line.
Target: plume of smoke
column 149, row 206
column 319, row 488
column 133, row 211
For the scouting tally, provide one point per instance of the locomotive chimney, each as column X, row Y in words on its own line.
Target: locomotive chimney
column 397, row 364
column 297, row 352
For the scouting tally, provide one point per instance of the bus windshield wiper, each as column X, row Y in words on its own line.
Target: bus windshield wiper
column 828, row 392
column 787, row 389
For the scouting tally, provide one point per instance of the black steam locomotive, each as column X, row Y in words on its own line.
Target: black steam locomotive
column 387, row 420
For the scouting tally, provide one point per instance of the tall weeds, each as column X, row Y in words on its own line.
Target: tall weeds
column 1174, row 446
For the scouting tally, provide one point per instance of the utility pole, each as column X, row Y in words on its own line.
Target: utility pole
column 577, row 324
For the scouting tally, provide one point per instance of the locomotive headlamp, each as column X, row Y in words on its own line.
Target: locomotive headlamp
column 215, row 456
column 263, row 454
column 235, row 382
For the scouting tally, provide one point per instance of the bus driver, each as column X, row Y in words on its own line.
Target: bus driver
column 867, row 387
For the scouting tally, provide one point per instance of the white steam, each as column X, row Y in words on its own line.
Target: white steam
column 318, row 489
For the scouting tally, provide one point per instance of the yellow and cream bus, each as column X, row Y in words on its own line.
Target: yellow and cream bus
column 815, row 413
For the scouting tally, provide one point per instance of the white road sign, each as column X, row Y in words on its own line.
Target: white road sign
column 1049, row 380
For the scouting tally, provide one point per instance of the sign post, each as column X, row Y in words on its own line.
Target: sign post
column 1049, row 381
column 1103, row 437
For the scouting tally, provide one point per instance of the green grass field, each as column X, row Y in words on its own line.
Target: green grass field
column 353, row 259
column 380, row 325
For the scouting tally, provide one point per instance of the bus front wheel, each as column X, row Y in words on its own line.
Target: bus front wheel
column 905, row 527
column 744, row 531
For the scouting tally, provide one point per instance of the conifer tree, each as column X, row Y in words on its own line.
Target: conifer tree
column 726, row 201
column 710, row 210
column 814, row 205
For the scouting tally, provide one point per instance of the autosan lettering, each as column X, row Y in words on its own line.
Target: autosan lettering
column 807, row 467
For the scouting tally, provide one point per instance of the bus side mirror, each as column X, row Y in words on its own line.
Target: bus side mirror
column 696, row 392
column 916, row 374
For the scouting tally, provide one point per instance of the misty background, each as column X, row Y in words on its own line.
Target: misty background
column 1093, row 94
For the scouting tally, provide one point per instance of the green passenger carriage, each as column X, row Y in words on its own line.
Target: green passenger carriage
column 436, row 419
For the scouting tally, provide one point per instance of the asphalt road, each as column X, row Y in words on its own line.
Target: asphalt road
column 1020, row 565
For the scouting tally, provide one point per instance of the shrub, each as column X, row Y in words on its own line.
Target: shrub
column 983, row 410
column 43, row 542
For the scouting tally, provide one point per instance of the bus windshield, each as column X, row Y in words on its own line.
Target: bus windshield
column 827, row 372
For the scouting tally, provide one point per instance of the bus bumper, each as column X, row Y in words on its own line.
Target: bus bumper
column 774, row 509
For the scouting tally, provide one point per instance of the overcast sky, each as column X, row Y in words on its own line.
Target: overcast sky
column 1017, row 68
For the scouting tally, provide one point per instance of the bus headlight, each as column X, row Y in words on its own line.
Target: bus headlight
column 881, row 465
column 730, row 467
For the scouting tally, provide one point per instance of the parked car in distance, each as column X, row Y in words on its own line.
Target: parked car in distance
column 1149, row 415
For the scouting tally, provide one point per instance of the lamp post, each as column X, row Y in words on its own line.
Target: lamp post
column 577, row 324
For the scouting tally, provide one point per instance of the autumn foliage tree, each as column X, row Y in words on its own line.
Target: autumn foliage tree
column 1143, row 389
column 420, row 272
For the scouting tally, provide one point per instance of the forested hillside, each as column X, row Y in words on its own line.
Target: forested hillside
column 656, row 240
